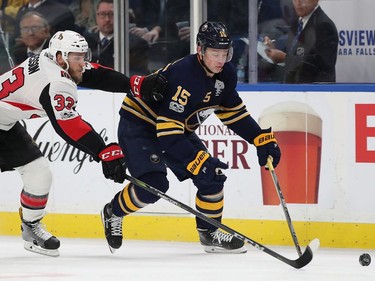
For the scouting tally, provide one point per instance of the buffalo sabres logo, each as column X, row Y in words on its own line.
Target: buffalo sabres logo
column 204, row 27
column 219, row 86
column 197, row 118
column 204, row 114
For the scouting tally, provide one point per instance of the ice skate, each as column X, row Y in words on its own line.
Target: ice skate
column 216, row 241
column 112, row 228
column 39, row 240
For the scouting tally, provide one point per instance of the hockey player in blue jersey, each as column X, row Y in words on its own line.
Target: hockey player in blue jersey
column 155, row 134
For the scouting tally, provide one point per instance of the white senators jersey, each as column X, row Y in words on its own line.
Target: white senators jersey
column 21, row 89
column 39, row 87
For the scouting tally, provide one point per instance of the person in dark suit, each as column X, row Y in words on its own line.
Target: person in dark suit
column 102, row 44
column 311, row 49
column 58, row 16
column 173, row 28
column 35, row 35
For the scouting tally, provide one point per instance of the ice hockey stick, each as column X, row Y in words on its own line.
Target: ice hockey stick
column 303, row 260
column 283, row 204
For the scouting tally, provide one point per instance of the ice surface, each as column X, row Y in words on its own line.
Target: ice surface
column 90, row 259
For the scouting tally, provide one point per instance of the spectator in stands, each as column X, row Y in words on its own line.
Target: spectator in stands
column 173, row 28
column 276, row 28
column 84, row 13
column 35, row 35
column 102, row 44
column 277, row 24
column 235, row 15
column 9, row 25
column 59, row 16
column 144, row 15
column 66, row 2
column 8, row 13
column 311, row 49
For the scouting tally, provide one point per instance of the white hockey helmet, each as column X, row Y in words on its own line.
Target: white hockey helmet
column 67, row 42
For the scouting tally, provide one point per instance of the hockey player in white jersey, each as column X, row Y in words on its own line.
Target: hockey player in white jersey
column 46, row 85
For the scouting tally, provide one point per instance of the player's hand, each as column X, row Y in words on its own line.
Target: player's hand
column 149, row 88
column 266, row 145
column 207, row 169
column 113, row 163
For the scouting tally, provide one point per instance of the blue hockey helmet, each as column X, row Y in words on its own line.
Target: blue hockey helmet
column 214, row 35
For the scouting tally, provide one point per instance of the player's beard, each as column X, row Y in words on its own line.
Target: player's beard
column 77, row 78
column 76, row 75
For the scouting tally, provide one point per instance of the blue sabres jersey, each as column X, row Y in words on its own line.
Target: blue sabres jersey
column 191, row 98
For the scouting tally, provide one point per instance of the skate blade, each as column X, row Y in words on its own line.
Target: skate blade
column 219, row 250
column 112, row 250
column 30, row 246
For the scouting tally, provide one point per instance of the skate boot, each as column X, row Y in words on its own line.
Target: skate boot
column 112, row 228
column 216, row 241
column 39, row 240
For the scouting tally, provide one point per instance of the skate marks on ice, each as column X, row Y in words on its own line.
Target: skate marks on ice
column 90, row 259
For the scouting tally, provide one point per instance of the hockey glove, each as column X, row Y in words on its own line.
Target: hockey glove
column 149, row 88
column 113, row 163
column 266, row 146
column 207, row 169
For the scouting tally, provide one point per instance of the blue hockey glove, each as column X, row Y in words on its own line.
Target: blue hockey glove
column 266, row 145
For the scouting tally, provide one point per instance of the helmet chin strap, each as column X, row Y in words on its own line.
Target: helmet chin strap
column 65, row 61
column 67, row 65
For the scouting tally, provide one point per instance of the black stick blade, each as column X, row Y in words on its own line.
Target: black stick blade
column 307, row 255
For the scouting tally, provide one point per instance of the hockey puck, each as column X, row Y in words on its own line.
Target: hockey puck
column 365, row 259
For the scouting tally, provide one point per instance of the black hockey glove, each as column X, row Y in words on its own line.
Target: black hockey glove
column 113, row 163
column 266, row 146
column 149, row 88
column 207, row 169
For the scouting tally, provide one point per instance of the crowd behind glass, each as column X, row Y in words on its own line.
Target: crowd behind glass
column 159, row 31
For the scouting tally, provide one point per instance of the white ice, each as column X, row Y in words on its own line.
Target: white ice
column 90, row 259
